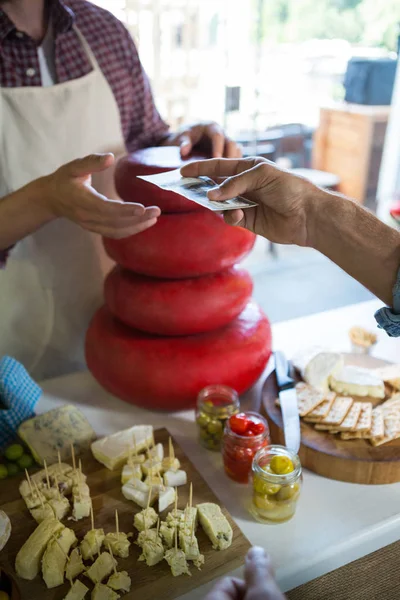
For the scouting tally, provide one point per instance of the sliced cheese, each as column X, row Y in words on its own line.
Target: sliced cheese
column 55, row 558
column 91, row 543
column 130, row 472
column 215, row 525
column 78, row 591
column 75, row 565
column 119, row 543
column 166, row 497
column 113, row 450
column 175, row 478
column 356, row 381
column 101, row 568
column 27, row 562
column 5, row 529
column 103, row 592
column 120, row 581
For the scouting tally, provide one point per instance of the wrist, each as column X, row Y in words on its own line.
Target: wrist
column 43, row 198
column 320, row 209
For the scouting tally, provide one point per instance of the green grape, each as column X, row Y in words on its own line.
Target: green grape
column 12, row 469
column 14, row 452
column 25, row 462
column 3, row 471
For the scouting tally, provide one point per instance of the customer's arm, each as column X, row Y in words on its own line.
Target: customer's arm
column 67, row 193
column 291, row 210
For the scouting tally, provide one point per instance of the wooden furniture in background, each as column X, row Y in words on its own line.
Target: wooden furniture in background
column 349, row 143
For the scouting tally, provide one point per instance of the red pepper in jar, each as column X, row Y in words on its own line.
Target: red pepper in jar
column 244, row 434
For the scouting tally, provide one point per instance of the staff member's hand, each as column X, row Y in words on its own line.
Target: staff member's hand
column 204, row 137
column 283, row 213
column 258, row 584
column 68, row 193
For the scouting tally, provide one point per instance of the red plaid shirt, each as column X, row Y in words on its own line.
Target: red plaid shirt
column 115, row 52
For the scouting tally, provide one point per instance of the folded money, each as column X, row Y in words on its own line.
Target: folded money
column 195, row 189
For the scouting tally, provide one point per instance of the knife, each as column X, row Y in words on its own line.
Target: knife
column 288, row 401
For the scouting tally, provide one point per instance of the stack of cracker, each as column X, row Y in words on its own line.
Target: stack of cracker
column 348, row 418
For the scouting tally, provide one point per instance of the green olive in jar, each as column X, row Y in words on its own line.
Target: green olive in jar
column 203, row 420
column 287, row 492
column 215, row 427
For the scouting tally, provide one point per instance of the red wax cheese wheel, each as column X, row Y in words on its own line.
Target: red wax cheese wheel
column 148, row 162
column 182, row 245
column 167, row 373
column 177, row 306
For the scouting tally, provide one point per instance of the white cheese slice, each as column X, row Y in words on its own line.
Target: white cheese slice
column 131, row 471
column 320, row 368
column 175, row 478
column 113, row 450
column 157, row 452
column 135, row 495
column 356, row 381
column 166, row 498
column 301, row 359
column 136, row 484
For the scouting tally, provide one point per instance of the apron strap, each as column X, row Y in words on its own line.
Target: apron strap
column 89, row 53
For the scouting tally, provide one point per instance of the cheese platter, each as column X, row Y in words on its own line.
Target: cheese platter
column 100, row 552
column 336, row 442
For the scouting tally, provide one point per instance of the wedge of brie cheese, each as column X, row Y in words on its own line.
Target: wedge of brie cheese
column 113, row 450
column 356, row 381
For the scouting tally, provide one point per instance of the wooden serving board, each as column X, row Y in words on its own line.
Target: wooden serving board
column 354, row 461
column 148, row 583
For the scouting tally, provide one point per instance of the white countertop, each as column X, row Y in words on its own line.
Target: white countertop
column 336, row 522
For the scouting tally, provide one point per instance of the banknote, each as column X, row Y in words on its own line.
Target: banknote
column 195, row 189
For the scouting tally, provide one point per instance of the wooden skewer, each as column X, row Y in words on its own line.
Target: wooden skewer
column 61, row 548
column 192, row 536
column 39, row 495
column 158, row 526
column 116, row 522
column 80, row 481
column 91, row 515
column 149, row 498
column 134, row 442
column 176, row 502
column 73, row 457
column 176, row 538
column 29, row 482
column 59, row 461
column 161, row 480
column 58, row 489
column 190, row 496
column 112, row 556
column 47, row 474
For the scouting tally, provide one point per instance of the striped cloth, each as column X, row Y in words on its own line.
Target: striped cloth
column 18, row 395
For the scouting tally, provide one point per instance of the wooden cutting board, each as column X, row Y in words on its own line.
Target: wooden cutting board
column 354, row 461
column 148, row 583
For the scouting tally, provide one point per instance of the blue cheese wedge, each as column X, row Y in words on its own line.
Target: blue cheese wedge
column 119, row 543
column 120, row 582
column 101, row 568
column 113, row 450
column 27, row 562
column 55, row 557
column 356, row 381
column 78, row 591
column 215, row 525
column 54, row 431
column 91, row 543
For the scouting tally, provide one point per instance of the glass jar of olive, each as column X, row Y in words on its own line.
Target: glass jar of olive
column 277, row 480
column 215, row 405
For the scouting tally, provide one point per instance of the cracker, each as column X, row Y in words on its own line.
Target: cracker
column 349, row 423
column 378, row 425
column 365, row 419
column 337, row 413
column 321, row 411
column 392, row 431
column 308, row 398
column 351, row 435
column 390, row 374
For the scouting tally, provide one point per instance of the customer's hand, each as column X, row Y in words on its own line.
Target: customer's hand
column 68, row 193
column 208, row 137
column 282, row 214
column 259, row 582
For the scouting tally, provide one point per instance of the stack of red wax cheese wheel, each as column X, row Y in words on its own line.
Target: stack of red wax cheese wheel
column 178, row 313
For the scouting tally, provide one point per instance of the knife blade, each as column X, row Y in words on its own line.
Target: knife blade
column 288, row 401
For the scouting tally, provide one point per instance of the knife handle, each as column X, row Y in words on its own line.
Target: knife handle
column 282, row 372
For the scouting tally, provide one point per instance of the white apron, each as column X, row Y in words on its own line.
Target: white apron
column 53, row 280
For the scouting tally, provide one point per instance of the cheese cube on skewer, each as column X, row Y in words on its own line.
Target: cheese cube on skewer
column 120, row 581
column 78, row 591
column 130, row 472
column 55, row 558
column 74, row 566
column 145, row 519
column 60, row 507
column 166, row 498
column 119, row 543
column 91, row 543
column 42, row 512
column 171, row 464
column 177, row 561
column 175, row 478
column 101, row 568
column 103, row 592
column 156, row 453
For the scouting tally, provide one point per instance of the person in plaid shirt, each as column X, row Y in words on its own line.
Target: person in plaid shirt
column 72, row 86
